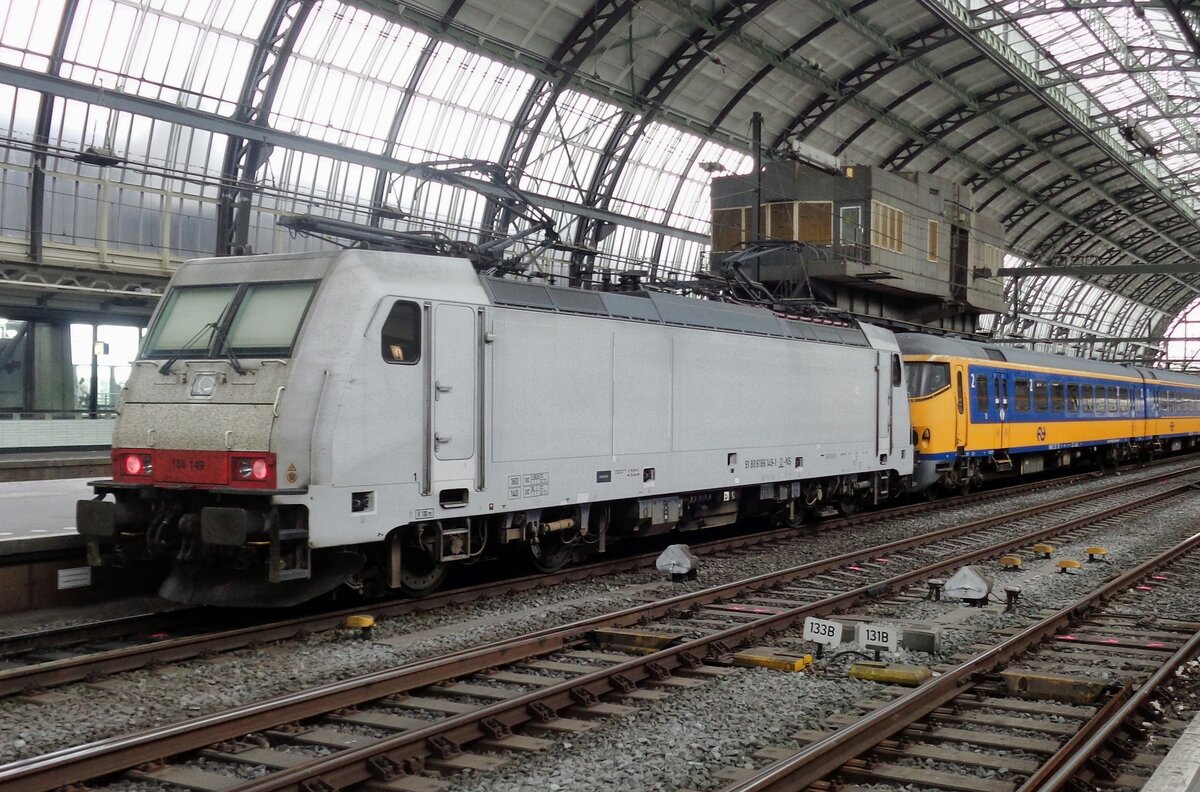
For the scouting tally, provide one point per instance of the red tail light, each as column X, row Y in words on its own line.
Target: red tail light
column 252, row 471
column 135, row 465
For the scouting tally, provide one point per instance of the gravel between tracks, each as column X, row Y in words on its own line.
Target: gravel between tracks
column 139, row 700
column 683, row 741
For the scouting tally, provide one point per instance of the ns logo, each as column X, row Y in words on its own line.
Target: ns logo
column 1041, row 433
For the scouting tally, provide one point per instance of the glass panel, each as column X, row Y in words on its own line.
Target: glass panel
column 1073, row 397
column 727, row 229
column 401, row 337
column 1041, row 397
column 187, row 322
column 1021, row 392
column 781, row 220
column 268, row 318
column 1057, row 401
column 927, row 378
column 816, row 222
column 982, row 402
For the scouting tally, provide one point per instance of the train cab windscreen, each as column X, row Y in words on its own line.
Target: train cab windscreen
column 925, row 379
column 251, row 319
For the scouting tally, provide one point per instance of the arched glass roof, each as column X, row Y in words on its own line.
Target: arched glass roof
column 142, row 132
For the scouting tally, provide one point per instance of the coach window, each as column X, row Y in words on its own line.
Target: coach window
column 1124, row 397
column 1021, row 393
column 401, row 337
column 1089, row 403
column 1073, row 397
column 1112, row 399
column 1057, row 402
column 982, row 403
column 1041, row 397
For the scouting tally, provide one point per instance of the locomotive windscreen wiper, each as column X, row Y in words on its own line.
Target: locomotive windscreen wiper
column 165, row 368
column 221, row 333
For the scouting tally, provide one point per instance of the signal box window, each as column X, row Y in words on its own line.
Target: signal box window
column 402, row 334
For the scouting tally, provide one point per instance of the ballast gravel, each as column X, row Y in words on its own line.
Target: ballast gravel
column 778, row 703
column 685, row 741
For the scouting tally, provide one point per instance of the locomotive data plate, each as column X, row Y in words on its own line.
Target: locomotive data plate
column 191, row 467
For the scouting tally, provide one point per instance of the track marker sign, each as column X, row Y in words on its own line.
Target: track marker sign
column 823, row 632
column 879, row 636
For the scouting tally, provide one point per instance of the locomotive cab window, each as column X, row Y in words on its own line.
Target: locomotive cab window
column 401, row 336
column 255, row 319
column 925, row 379
column 268, row 318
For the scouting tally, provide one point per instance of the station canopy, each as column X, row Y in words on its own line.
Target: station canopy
column 144, row 132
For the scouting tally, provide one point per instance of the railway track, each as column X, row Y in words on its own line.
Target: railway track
column 36, row 661
column 932, row 736
column 391, row 727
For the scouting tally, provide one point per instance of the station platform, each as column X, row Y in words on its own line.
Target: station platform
column 38, row 465
column 43, row 559
column 1180, row 770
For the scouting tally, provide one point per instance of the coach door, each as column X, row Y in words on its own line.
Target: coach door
column 453, row 403
column 1000, row 408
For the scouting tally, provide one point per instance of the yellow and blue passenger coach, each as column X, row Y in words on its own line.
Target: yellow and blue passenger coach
column 981, row 411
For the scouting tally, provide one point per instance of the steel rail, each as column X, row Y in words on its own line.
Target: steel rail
column 823, row 757
column 174, row 650
column 352, row 766
column 1073, row 758
column 73, row 765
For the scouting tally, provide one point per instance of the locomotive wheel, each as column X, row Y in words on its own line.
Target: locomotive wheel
column 848, row 506
column 550, row 553
column 419, row 573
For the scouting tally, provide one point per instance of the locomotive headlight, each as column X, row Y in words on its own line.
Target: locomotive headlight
column 204, row 384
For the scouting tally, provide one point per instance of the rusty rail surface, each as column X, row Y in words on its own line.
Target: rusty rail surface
column 1077, row 757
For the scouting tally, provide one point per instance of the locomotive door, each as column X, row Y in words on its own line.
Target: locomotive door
column 453, row 390
column 883, row 403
